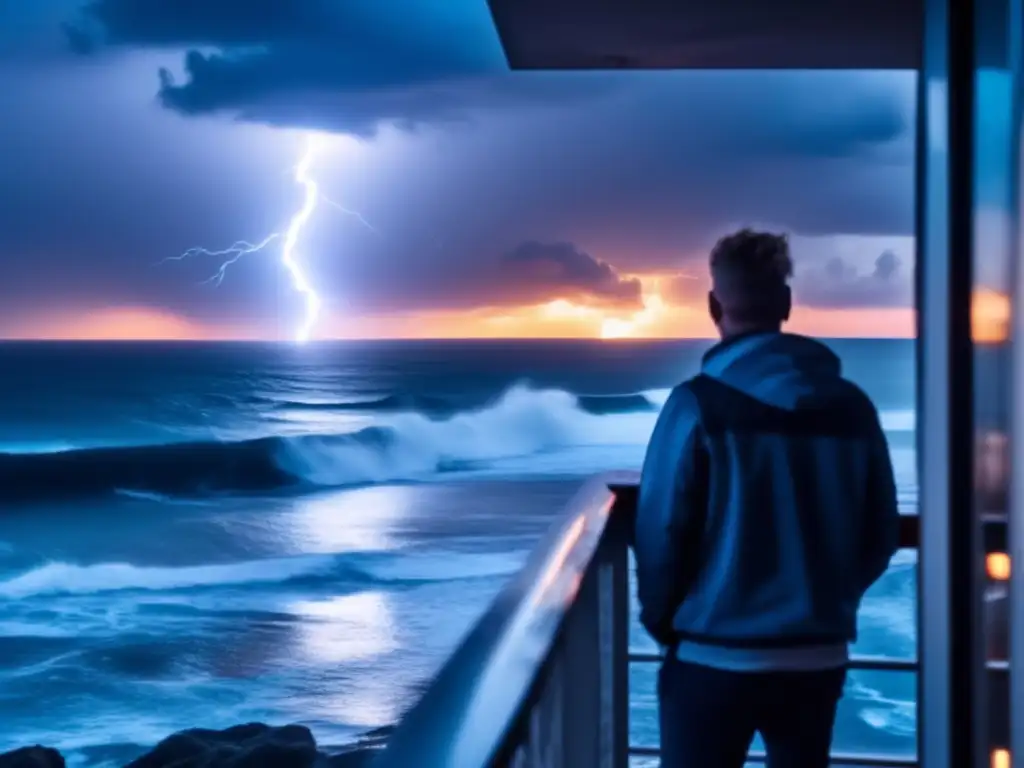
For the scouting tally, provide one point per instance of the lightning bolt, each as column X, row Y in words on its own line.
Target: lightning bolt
column 303, row 176
column 233, row 253
column 299, row 279
column 355, row 214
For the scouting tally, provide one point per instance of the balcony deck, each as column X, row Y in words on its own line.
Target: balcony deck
column 542, row 679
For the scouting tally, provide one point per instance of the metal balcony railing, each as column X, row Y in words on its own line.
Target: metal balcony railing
column 542, row 679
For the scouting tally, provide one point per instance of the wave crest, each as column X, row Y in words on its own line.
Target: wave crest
column 431, row 406
column 405, row 445
column 356, row 569
column 402, row 445
column 69, row 579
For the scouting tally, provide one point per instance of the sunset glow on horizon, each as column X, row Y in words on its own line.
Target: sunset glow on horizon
column 558, row 319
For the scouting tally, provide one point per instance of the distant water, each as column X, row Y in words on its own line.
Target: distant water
column 208, row 534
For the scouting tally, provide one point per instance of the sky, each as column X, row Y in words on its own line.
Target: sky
column 454, row 198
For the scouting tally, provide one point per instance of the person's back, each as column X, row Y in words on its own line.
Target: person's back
column 767, row 508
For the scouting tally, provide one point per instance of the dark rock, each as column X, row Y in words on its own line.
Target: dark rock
column 32, row 757
column 243, row 746
column 254, row 745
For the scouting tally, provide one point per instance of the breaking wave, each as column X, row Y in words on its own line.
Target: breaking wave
column 357, row 569
column 402, row 444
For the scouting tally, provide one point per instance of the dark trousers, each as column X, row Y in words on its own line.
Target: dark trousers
column 709, row 716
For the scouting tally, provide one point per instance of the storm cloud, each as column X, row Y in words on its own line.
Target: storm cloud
column 840, row 284
column 110, row 166
column 346, row 66
column 544, row 271
column 351, row 66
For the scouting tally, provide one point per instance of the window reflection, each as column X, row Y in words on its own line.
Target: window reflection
column 990, row 316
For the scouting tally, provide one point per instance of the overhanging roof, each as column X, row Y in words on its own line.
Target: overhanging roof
column 710, row 34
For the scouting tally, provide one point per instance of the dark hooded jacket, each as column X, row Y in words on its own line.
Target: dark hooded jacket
column 767, row 505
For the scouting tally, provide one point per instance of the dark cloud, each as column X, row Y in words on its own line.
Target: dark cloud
column 543, row 271
column 840, row 284
column 648, row 178
column 817, row 152
column 346, row 66
column 350, row 66
column 886, row 266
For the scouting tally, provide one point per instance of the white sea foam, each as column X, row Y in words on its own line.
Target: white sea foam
column 526, row 431
column 522, row 423
column 67, row 578
column 58, row 578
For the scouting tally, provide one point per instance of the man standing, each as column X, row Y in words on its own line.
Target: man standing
column 767, row 508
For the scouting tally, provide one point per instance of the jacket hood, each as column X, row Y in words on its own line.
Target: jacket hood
column 784, row 370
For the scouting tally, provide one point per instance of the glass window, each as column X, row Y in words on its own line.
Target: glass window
column 995, row 196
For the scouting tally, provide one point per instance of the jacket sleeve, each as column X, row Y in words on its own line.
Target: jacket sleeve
column 882, row 517
column 670, row 494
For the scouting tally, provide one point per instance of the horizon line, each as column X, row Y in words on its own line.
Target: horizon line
column 313, row 342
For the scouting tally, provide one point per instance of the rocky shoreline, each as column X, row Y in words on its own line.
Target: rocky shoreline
column 253, row 745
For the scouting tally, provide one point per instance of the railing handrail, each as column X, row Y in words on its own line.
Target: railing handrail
column 910, row 525
column 465, row 716
column 470, row 713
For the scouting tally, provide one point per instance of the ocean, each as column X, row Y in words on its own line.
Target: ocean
column 209, row 534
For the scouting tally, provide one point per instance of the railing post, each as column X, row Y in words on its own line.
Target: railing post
column 579, row 669
column 613, row 564
column 591, row 665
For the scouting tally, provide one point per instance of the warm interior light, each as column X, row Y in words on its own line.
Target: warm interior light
column 990, row 316
column 998, row 566
column 1000, row 758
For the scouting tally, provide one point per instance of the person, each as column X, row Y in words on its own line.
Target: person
column 767, row 507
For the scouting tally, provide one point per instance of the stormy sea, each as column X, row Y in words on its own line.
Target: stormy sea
column 211, row 534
